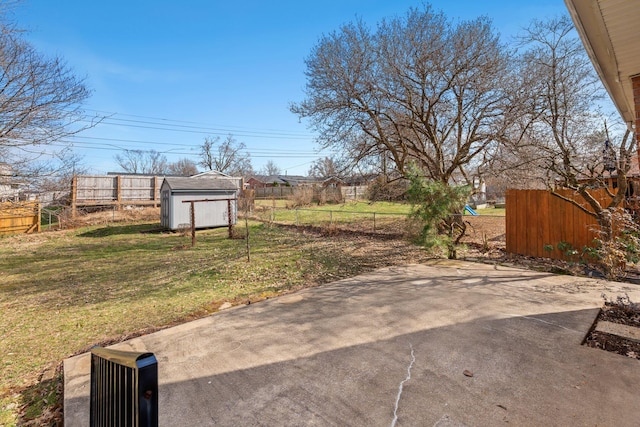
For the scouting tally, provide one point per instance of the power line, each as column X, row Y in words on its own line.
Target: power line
column 176, row 125
column 201, row 132
column 79, row 139
column 251, row 153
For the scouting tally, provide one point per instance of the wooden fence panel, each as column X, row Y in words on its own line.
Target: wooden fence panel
column 96, row 188
column 533, row 199
column 135, row 188
column 21, row 217
column 544, row 227
column 537, row 218
column 118, row 190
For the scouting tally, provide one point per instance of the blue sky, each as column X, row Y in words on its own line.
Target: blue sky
column 169, row 74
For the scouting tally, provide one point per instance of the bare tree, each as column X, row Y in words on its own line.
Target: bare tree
column 143, row 162
column 56, row 186
column 270, row 168
column 563, row 126
column 228, row 156
column 419, row 89
column 324, row 167
column 40, row 100
column 186, row 167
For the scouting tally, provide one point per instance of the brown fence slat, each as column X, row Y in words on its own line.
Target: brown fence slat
column 533, row 238
column 20, row 217
column 536, row 218
column 544, row 227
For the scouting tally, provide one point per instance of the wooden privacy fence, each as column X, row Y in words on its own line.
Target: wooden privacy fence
column 19, row 217
column 536, row 219
column 115, row 190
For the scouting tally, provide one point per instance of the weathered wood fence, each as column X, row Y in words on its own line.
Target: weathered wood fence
column 115, row 190
column 19, row 217
column 536, row 219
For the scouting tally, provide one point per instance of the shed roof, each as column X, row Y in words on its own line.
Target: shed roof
column 202, row 184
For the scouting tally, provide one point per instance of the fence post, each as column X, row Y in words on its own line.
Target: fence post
column 297, row 222
column 229, row 218
column 192, row 213
column 119, row 192
column 374, row 222
column 74, row 195
column 154, row 196
column 39, row 219
column 330, row 217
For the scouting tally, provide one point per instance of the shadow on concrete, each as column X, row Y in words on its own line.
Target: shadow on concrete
column 526, row 371
column 394, row 343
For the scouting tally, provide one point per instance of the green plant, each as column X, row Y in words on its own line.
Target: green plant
column 439, row 206
column 568, row 250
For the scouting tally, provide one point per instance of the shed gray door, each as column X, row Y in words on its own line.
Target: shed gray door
column 164, row 209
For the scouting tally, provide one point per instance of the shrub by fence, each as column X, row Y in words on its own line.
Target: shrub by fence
column 536, row 220
column 19, row 217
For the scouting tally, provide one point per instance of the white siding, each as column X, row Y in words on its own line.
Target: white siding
column 207, row 214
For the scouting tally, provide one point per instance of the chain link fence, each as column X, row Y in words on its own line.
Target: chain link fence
column 481, row 229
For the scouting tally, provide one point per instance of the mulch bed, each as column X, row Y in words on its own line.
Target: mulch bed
column 621, row 312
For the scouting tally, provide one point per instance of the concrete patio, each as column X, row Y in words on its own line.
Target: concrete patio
column 391, row 348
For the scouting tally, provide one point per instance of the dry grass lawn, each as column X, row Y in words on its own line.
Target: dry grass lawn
column 62, row 292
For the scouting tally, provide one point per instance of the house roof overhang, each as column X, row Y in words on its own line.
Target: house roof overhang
column 610, row 33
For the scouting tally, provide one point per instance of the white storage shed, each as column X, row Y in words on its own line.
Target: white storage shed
column 211, row 206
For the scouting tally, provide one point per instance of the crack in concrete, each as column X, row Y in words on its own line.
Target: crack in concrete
column 400, row 387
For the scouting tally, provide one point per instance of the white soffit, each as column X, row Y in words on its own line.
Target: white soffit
column 610, row 32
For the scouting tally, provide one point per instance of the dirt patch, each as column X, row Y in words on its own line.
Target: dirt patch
column 485, row 230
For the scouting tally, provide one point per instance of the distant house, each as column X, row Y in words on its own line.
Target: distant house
column 332, row 182
column 299, row 181
column 263, row 181
column 632, row 196
column 10, row 186
column 213, row 204
column 237, row 180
